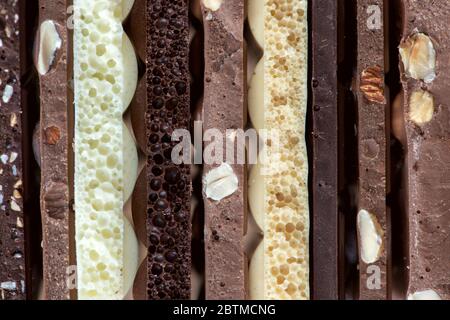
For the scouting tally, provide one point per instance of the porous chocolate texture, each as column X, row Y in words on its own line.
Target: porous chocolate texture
column 223, row 108
column 54, row 149
column 373, row 149
column 425, row 75
column 13, row 266
column 325, row 245
column 168, row 184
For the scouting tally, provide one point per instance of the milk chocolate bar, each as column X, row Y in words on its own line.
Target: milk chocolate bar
column 424, row 66
column 325, row 237
column 14, row 279
column 224, row 184
column 51, row 62
column 168, row 185
column 372, row 220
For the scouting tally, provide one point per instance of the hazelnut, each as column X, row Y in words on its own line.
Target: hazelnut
column 421, row 106
column 372, row 84
column 48, row 45
column 52, row 135
column 419, row 57
column 220, row 182
column 370, row 237
column 212, row 5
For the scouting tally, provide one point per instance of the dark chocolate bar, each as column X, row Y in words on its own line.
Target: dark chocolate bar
column 325, row 240
column 372, row 220
column 168, row 184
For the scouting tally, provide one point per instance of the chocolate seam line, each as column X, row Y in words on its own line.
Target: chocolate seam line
column 13, row 266
column 168, row 185
column 428, row 157
column 325, row 238
column 54, row 160
column 225, row 261
column 372, row 145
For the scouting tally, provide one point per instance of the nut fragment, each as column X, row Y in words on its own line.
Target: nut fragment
column 419, row 57
column 372, row 84
column 19, row 222
column 212, row 5
column 14, row 206
column 424, row 295
column 370, row 236
column 421, row 106
column 220, row 182
column 48, row 45
column 52, row 135
column 13, row 120
column 55, row 200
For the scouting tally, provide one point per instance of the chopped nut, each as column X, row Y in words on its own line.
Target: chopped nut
column 13, row 156
column 14, row 206
column 16, row 194
column 13, row 120
column 370, row 236
column 419, row 57
column 424, row 295
column 19, row 222
column 8, row 285
column 7, row 93
column 220, row 182
column 421, row 107
column 18, row 184
column 212, row 5
column 372, row 84
column 52, row 135
column 49, row 43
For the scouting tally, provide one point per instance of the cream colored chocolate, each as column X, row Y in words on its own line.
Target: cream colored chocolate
column 105, row 79
column 278, row 195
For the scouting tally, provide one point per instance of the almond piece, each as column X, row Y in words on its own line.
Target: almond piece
column 370, row 237
column 220, row 182
column 419, row 57
column 421, row 106
column 49, row 43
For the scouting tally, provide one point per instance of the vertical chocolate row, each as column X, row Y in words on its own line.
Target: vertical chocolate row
column 425, row 69
column 51, row 63
column 12, row 217
column 325, row 238
column 372, row 222
column 168, row 184
column 224, row 184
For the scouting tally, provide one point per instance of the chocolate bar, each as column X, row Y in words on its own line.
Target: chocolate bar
column 106, row 159
column 424, row 56
column 51, row 62
column 325, row 237
column 168, row 185
column 278, row 185
column 14, row 280
column 224, row 184
column 372, row 219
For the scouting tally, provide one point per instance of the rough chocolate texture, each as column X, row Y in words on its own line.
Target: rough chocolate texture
column 13, row 266
column 428, row 156
column 325, row 245
column 223, row 108
column 168, row 185
column 54, row 146
column 372, row 145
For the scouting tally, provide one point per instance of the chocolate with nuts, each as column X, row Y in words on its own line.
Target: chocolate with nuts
column 223, row 108
column 51, row 63
column 13, row 265
column 425, row 72
column 372, row 226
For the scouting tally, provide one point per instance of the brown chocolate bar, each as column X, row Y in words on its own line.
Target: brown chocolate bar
column 424, row 67
column 168, row 187
column 325, row 238
column 51, row 60
column 223, row 108
column 13, row 265
column 372, row 220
